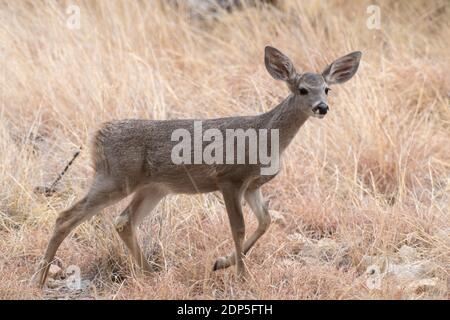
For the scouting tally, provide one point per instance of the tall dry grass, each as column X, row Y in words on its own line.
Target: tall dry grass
column 373, row 175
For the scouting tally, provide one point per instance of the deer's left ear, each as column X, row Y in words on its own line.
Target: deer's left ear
column 342, row 69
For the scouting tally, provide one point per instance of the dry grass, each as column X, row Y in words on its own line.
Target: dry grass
column 373, row 175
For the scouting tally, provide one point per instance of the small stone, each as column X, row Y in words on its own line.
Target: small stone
column 373, row 277
column 373, row 283
column 54, row 271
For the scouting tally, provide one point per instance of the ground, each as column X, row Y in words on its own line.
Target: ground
column 360, row 208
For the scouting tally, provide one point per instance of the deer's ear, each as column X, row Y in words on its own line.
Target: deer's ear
column 342, row 69
column 278, row 65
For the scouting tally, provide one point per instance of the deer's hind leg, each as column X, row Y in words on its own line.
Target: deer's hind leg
column 144, row 201
column 103, row 192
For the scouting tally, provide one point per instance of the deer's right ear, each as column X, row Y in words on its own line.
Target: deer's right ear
column 342, row 69
column 278, row 65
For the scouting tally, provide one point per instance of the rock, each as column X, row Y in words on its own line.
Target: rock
column 382, row 262
column 412, row 276
column 373, row 277
column 407, row 253
column 54, row 271
column 373, row 270
column 277, row 217
column 410, row 271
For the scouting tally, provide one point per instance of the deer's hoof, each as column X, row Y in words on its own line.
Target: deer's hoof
column 221, row 263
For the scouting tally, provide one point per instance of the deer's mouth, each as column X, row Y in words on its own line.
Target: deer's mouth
column 318, row 114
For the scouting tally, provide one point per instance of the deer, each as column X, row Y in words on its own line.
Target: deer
column 133, row 157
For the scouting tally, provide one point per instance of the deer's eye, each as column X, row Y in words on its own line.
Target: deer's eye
column 326, row 90
column 303, row 91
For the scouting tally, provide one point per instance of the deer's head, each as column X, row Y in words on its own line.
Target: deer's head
column 311, row 89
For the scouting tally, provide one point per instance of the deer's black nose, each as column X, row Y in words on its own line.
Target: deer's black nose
column 322, row 108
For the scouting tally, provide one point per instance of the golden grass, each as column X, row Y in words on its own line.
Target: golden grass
column 371, row 175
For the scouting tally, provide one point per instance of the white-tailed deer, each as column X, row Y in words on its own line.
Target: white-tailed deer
column 134, row 156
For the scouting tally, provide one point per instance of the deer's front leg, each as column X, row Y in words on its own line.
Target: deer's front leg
column 259, row 208
column 232, row 195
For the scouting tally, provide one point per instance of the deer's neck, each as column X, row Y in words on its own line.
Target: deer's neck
column 287, row 117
